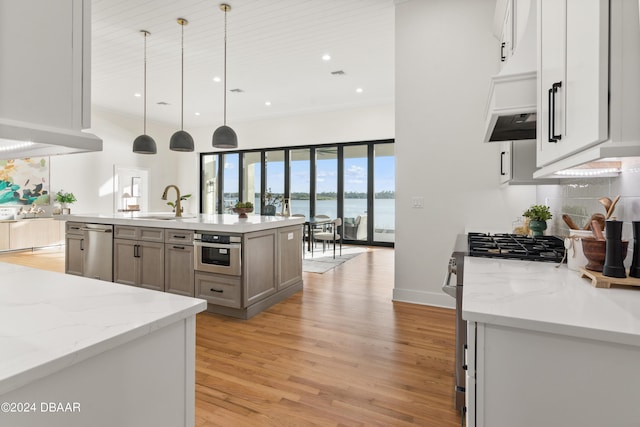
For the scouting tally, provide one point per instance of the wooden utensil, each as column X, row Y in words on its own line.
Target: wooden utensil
column 596, row 230
column 606, row 202
column 572, row 225
column 612, row 207
column 597, row 217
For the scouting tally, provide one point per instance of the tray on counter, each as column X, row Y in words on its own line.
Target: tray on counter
column 599, row 280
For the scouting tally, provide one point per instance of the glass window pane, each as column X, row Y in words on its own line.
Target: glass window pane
column 209, row 183
column 251, row 179
column 384, row 202
column 355, row 192
column 230, row 186
column 327, row 181
column 300, row 176
column 274, row 184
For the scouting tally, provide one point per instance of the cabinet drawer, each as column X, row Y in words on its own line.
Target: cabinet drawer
column 218, row 289
column 147, row 234
column 73, row 228
column 184, row 237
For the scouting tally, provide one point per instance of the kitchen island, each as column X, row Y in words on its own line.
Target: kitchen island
column 548, row 348
column 240, row 266
column 77, row 352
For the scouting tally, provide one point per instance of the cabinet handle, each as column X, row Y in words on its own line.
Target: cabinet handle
column 502, row 162
column 179, row 237
column 216, row 290
column 552, row 112
column 136, row 253
column 82, row 244
column 502, row 57
column 178, row 247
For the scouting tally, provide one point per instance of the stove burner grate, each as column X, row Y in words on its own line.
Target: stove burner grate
column 516, row 246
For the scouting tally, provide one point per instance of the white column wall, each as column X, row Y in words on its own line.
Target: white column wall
column 445, row 55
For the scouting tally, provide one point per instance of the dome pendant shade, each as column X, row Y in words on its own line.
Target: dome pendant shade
column 144, row 144
column 225, row 137
column 181, row 141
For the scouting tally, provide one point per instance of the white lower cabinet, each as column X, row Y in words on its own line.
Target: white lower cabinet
column 532, row 378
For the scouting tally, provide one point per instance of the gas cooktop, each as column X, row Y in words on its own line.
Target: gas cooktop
column 516, row 246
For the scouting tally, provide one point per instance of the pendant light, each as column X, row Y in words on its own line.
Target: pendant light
column 224, row 136
column 144, row 144
column 181, row 140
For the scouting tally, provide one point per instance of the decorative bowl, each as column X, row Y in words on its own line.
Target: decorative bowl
column 242, row 212
column 596, row 250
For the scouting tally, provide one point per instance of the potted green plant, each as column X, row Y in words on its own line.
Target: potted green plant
column 271, row 201
column 182, row 199
column 243, row 208
column 538, row 216
column 65, row 199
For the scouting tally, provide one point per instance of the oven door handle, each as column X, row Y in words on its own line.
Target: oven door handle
column 447, row 288
column 218, row 245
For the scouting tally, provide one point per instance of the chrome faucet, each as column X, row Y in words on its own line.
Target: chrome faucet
column 164, row 197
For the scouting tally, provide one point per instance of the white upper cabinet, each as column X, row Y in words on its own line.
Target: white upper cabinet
column 573, row 77
column 45, row 67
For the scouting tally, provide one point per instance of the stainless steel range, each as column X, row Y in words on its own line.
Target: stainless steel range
column 509, row 246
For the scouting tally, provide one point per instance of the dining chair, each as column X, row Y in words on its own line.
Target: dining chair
column 332, row 234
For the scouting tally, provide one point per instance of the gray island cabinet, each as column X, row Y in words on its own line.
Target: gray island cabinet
column 158, row 252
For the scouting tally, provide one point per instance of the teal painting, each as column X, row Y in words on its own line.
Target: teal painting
column 24, row 181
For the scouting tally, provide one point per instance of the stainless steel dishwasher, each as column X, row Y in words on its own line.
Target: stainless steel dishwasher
column 97, row 251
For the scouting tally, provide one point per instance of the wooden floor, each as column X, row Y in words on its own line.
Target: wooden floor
column 339, row 353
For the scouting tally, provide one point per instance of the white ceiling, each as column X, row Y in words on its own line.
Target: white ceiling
column 275, row 50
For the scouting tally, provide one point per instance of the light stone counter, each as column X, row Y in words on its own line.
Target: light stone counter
column 69, row 338
column 216, row 223
column 540, row 297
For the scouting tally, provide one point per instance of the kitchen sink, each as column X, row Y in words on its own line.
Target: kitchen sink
column 163, row 217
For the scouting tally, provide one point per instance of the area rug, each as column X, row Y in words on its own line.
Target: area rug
column 323, row 262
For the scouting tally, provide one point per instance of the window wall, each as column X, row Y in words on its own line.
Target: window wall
column 353, row 181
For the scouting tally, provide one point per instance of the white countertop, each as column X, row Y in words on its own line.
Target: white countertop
column 50, row 321
column 220, row 223
column 538, row 296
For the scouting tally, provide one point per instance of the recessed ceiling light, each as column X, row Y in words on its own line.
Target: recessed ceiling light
column 197, row 114
column 359, row 90
column 217, row 79
column 268, row 103
column 326, row 57
column 137, row 95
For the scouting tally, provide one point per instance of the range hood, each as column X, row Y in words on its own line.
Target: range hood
column 20, row 139
column 511, row 108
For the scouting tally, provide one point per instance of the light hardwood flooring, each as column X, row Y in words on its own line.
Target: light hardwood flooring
column 339, row 353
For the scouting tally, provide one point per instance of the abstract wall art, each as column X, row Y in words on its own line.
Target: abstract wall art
column 24, row 181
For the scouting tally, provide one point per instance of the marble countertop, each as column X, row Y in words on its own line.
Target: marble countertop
column 50, row 321
column 220, row 223
column 538, row 296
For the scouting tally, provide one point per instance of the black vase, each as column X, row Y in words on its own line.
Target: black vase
column 613, row 260
column 635, row 263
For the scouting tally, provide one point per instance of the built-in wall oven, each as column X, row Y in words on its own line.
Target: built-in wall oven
column 217, row 253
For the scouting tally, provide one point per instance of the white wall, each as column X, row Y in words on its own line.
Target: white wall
column 445, row 55
column 89, row 175
column 358, row 124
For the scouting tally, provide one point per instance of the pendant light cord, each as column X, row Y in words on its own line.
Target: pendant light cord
column 145, row 82
column 182, row 81
column 225, row 67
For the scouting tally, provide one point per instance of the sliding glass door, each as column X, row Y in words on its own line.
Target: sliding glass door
column 356, row 192
column 353, row 181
